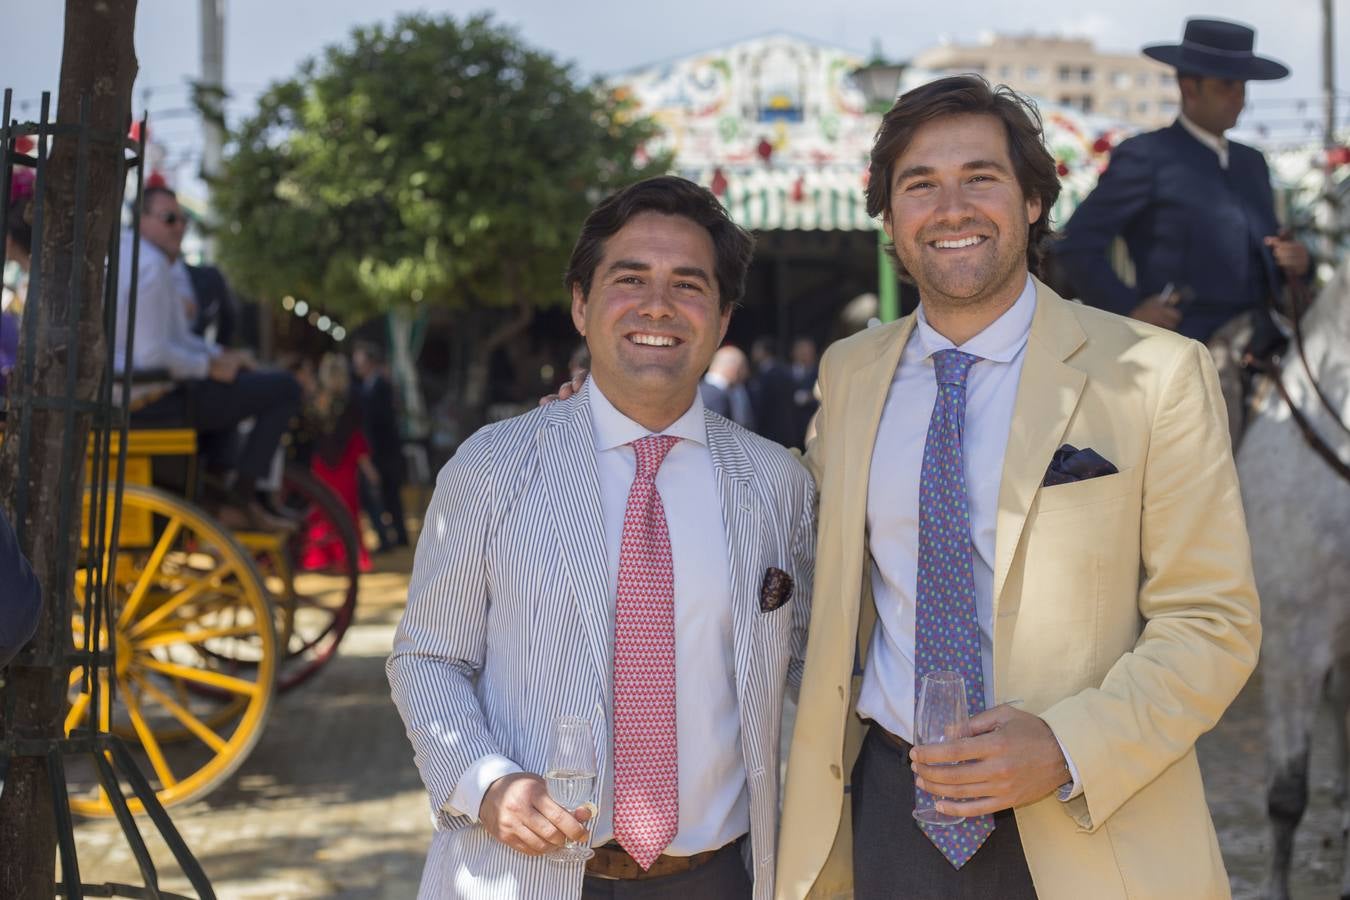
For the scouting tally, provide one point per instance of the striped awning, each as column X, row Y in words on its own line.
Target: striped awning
column 792, row 200
column 831, row 199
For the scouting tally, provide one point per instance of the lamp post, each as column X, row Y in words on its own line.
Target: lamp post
column 879, row 82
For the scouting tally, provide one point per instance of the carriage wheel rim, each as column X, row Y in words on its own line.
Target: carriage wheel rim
column 156, row 625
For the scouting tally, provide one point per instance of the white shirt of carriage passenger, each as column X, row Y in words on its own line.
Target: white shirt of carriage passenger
column 714, row 797
column 164, row 338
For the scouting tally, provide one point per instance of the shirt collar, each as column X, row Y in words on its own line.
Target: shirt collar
column 1217, row 143
column 614, row 429
column 1000, row 341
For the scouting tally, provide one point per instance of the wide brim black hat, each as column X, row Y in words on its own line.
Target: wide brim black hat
column 1214, row 48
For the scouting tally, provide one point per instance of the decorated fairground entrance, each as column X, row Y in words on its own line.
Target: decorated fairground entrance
column 778, row 127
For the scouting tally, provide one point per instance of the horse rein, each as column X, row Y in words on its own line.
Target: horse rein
column 1302, row 303
column 1271, row 369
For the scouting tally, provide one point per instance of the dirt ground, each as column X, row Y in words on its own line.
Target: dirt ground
column 329, row 804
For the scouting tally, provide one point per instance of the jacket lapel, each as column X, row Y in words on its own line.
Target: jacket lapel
column 567, row 453
column 870, row 384
column 741, row 519
column 1046, row 398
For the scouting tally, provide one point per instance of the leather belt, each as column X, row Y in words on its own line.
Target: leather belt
column 613, row 863
column 894, row 740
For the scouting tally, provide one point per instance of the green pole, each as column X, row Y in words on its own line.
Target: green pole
column 888, row 294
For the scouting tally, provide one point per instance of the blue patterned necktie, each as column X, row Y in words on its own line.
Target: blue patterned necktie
column 946, row 630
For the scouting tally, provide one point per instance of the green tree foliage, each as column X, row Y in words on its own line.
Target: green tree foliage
column 427, row 161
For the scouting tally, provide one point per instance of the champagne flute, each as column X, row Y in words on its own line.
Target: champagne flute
column 939, row 716
column 570, row 777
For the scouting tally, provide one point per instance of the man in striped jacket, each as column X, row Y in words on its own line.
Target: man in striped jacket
column 626, row 557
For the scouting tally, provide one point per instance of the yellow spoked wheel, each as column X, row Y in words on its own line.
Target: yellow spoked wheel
column 195, row 653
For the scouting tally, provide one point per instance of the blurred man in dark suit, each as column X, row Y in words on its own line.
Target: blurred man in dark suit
column 770, row 389
column 723, row 387
column 805, row 365
column 380, row 418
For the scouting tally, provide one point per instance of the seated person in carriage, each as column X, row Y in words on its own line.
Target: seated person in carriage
column 206, row 387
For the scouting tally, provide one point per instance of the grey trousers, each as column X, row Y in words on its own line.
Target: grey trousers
column 894, row 860
column 723, row 877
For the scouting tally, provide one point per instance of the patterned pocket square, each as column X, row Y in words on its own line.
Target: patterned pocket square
column 1069, row 464
column 776, row 589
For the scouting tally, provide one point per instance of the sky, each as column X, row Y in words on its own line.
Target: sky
column 266, row 40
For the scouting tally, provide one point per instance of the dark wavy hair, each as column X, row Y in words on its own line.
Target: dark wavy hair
column 969, row 95
column 733, row 246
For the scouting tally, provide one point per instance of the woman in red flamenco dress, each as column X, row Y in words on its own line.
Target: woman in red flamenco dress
column 340, row 454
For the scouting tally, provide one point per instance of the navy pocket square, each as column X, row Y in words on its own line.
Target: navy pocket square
column 776, row 589
column 1069, row 464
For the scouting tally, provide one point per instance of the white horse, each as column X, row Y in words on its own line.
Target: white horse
column 1298, row 513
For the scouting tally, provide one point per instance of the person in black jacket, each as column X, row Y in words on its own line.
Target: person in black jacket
column 380, row 420
column 217, row 310
column 1195, row 210
column 20, row 595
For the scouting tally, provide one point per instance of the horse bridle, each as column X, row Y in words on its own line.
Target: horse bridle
column 1271, row 369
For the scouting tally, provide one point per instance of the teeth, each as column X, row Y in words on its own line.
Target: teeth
column 954, row 245
column 653, row 340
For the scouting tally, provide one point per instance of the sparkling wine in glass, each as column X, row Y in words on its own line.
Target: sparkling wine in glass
column 571, row 777
column 939, row 716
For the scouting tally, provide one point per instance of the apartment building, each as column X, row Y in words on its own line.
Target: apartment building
column 1069, row 72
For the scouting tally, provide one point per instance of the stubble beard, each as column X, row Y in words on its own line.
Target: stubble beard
column 972, row 285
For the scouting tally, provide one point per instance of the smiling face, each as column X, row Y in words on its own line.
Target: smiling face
column 652, row 319
column 957, row 215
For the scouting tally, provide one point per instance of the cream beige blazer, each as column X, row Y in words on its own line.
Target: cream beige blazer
column 1125, row 613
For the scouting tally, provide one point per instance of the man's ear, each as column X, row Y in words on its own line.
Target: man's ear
column 578, row 308
column 1034, row 209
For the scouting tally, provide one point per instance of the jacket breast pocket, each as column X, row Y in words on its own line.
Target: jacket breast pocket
column 1073, row 540
column 1084, row 493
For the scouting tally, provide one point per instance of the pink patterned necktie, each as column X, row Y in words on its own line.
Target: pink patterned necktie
column 946, row 629
column 646, row 772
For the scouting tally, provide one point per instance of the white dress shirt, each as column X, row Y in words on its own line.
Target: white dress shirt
column 164, row 338
column 714, row 797
column 1217, row 143
column 893, row 502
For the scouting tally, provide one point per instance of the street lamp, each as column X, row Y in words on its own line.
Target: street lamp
column 879, row 82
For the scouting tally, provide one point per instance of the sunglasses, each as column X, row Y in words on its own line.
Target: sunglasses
column 172, row 218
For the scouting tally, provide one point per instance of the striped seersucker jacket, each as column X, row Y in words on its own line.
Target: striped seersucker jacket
column 510, row 613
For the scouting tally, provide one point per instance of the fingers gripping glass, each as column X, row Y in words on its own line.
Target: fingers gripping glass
column 571, row 777
column 940, row 716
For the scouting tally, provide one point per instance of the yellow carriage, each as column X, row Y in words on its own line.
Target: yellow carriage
column 207, row 625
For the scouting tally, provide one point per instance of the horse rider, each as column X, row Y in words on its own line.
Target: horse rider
column 1197, row 215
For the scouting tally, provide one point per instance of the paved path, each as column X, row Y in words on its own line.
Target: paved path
column 329, row 804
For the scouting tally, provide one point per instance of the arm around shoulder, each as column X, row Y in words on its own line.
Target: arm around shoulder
column 1197, row 600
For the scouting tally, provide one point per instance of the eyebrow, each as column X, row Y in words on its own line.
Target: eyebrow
column 633, row 265
column 973, row 165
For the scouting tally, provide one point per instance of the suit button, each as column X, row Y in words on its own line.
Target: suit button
column 834, row 770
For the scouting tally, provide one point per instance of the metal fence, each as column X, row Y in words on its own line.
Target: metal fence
column 69, row 663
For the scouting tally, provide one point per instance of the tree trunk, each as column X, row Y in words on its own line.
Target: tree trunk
column 98, row 62
column 474, row 394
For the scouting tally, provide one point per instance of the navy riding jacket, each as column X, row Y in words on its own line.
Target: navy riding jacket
column 1186, row 221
